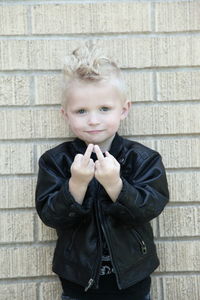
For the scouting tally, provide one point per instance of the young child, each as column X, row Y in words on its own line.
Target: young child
column 100, row 190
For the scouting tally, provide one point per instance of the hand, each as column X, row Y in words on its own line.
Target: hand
column 107, row 170
column 83, row 167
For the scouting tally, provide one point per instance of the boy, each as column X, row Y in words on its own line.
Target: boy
column 100, row 190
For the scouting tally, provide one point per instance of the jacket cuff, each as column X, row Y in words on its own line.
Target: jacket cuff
column 119, row 208
column 74, row 208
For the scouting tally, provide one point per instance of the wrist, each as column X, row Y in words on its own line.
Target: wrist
column 78, row 183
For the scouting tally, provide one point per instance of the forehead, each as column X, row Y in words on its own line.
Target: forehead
column 82, row 91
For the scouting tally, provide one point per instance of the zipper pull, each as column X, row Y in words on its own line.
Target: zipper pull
column 144, row 248
column 90, row 283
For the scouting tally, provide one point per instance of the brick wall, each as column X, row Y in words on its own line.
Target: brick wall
column 157, row 43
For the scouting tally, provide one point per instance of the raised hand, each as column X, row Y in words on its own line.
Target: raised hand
column 107, row 172
column 82, row 172
column 82, row 169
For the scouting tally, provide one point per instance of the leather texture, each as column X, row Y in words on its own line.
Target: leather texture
column 125, row 223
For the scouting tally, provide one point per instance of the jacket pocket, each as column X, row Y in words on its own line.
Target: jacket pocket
column 142, row 244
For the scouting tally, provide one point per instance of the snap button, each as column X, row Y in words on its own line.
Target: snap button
column 121, row 160
column 71, row 214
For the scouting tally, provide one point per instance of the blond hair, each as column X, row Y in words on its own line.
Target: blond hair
column 87, row 64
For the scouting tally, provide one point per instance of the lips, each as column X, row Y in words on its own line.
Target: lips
column 94, row 131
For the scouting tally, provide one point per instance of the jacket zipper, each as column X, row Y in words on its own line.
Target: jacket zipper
column 143, row 246
column 98, row 261
column 108, row 244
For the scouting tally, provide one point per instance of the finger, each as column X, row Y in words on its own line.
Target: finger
column 98, row 153
column 88, row 153
column 112, row 157
column 78, row 157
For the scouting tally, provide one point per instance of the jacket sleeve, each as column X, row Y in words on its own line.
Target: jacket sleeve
column 54, row 203
column 145, row 196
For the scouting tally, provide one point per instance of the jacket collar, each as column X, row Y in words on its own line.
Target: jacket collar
column 115, row 149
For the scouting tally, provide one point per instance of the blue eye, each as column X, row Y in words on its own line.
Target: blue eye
column 81, row 111
column 104, row 108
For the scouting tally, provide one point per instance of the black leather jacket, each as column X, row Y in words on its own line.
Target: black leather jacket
column 124, row 223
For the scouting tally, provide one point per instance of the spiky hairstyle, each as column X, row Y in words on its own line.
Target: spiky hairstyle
column 87, row 64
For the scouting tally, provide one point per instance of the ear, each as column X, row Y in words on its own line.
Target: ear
column 125, row 109
column 64, row 114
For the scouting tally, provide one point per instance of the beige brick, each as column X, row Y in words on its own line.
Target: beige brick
column 15, row 124
column 180, row 153
column 19, row 124
column 50, row 290
column 14, row 90
column 18, row 291
column 176, row 51
column 179, row 16
column 129, row 52
column 91, row 18
column 14, row 55
column 48, row 89
column 25, row 262
column 139, row 87
column 162, row 119
column 49, row 123
column 13, row 20
column 17, row 192
column 16, row 159
column 16, row 227
column 178, row 86
column 184, row 187
column 156, row 293
column 45, row 233
column 179, row 221
column 179, row 256
column 181, row 287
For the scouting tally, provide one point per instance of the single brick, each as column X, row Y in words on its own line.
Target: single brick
column 50, row 290
column 177, row 16
column 14, row 54
column 48, row 89
column 13, row 20
column 181, row 287
column 14, row 90
column 184, row 187
column 178, row 86
column 16, row 159
column 179, row 256
column 162, row 119
column 15, row 124
column 91, row 18
column 16, row 227
column 139, row 86
column 16, row 291
column 25, row 261
column 17, row 192
column 179, row 221
column 180, row 153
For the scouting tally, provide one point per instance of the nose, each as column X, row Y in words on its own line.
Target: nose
column 93, row 119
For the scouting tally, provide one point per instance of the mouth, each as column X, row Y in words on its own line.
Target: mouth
column 94, row 131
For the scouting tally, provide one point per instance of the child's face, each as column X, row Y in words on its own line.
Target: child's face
column 94, row 112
